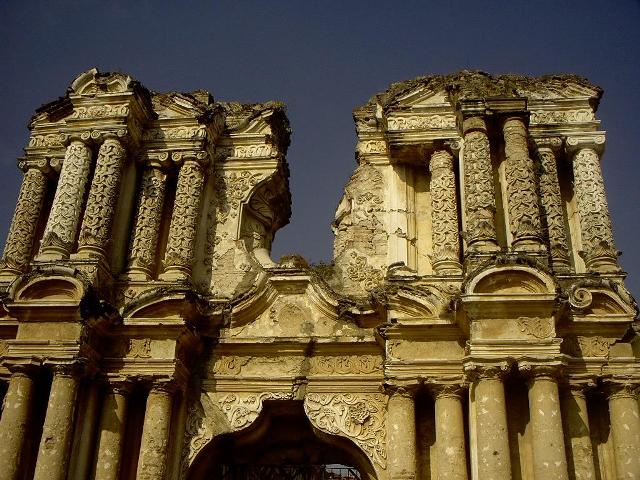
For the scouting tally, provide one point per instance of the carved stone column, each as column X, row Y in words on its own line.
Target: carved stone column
column 178, row 258
column 479, row 194
column 524, row 210
column 625, row 428
column 598, row 248
column 490, row 410
column 142, row 255
column 450, row 435
column 60, row 232
column 111, row 434
column 14, row 424
column 154, row 447
column 444, row 214
column 549, row 458
column 19, row 246
column 55, row 444
column 576, row 430
column 401, row 425
column 552, row 203
column 95, row 233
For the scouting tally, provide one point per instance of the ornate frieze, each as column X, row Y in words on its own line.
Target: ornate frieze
column 21, row 237
column 419, row 122
column 552, row 204
column 444, row 214
column 598, row 248
column 95, row 232
column 536, row 327
column 359, row 417
column 176, row 133
column 100, row 111
column 148, row 217
column 562, row 116
column 184, row 220
column 524, row 212
column 480, row 202
column 61, row 229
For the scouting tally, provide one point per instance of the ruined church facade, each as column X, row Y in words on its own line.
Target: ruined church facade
column 473, row 324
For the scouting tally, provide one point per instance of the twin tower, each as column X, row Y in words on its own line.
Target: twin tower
column 473, row 323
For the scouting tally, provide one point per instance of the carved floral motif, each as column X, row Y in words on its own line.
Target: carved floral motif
column 101, row 111
column 597, row 237
column 103, row 195
column 67, row 203
column 252, row 151
column 562, row 116
column 524, row 214
column 179, row 133
column 148, row 218
column 184, row 220
column 478, row 188
column 552, row 208
column 581, row 346
column 17, row 251
column 416, row 122
column 372, row 146
column 241, row 409
column 232, row 188
column 536, row 327
column 197, row 435
column 359, row 417
column 346, row 365
column 444, row 213
column 360, row 271
column 49, row 140
column 139, row 348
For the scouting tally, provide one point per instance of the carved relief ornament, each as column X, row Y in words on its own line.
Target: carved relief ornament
column 359, row 417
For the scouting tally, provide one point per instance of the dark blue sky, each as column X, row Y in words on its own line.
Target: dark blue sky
column 322, row 59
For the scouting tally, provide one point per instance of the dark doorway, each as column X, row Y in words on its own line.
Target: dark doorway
column 281, row 444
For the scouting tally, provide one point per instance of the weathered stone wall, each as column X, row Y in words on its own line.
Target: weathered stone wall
column 473, row 323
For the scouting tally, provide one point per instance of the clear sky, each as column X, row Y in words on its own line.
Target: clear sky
column 323, row 59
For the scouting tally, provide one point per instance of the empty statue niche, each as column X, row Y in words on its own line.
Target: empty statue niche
column 47, row 203
column 496, row 142
column 281, row 443
column 165, row 223
column 570, row 212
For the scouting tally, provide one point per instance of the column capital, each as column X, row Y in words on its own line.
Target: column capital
column 441, row 158
column 589, row 140
column 198, row 156
column 447, row 390
column 165, row 387
column 32, row 162
column 119, row 386
column 578, row 387
column 400, row 389
column 480, row 370
column 622, row 388
column 542, row 143
column 535, row 371
column 156, row 159
column 67, row 370
column 474, row 123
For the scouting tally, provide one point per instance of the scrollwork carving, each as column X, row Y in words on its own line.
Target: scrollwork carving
column 241, row 409
column 346, row 365
column 416, row 122
column 360, row 271
column 562, row 116
column 359, row 417
column 101, row 111
column 233, row 188
column 536, row 327
column 139, row 348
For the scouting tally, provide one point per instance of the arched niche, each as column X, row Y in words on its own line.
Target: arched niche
column 281, row 435
column 509, row 280
column 53, row 288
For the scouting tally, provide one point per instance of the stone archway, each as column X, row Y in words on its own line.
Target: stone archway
column 281, row 443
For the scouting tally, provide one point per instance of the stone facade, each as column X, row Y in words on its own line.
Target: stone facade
column 473, row 324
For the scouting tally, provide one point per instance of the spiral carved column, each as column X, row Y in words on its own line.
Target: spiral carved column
column 95, row 232
column 60, row 232
column 21, row 237
column 178, row 258
column 444, row 214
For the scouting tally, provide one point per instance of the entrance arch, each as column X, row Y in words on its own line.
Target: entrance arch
column 281, row 443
